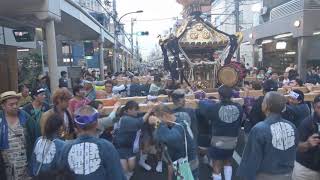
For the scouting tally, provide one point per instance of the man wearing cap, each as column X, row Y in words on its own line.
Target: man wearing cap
column 256, row 115
column 89, row 157
column 270, row 151
column 307, row 165
column 37, row 107
column 225, row 119
column 17, row 136
column 296, row 109
column 45, row 85
column 91, row 93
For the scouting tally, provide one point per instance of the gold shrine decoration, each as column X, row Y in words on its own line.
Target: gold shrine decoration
column 201, row 36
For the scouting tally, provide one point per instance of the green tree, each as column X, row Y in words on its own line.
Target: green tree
column 30, row 67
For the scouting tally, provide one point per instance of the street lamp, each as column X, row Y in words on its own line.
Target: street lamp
column 134, row 12
column 116, row 37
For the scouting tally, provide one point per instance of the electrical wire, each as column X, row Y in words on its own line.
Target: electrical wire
column 155, row 19
column 214, row 9
column 224, row 20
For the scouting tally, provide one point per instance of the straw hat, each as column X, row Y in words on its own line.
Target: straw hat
column 41, row 76
column 9, row 95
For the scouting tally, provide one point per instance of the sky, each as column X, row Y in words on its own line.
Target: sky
column 165, row 10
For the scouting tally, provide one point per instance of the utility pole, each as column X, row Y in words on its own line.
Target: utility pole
column 237, row 18
column 137, row 50
column 132, row 49
column 115, row 26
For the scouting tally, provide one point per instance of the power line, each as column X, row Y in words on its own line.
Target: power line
column 224, row 21
column 213, row 9
column 156, row 19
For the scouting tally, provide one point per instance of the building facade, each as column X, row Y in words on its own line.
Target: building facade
column 223, row 17
column 288, row 33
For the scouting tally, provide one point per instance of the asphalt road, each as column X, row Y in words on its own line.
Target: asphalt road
column 205, row 170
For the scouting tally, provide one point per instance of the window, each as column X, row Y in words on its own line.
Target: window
column 66, row 49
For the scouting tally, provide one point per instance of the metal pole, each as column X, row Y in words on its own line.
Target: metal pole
column 42, row 59
column 303, row 51
column 137, row 46
column 70, row 54
column 52, row 54
column 101, row 52
column 115, row 49
column 237, row 18
column 132, row 49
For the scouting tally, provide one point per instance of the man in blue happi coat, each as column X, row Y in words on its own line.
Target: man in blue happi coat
column 88, row 157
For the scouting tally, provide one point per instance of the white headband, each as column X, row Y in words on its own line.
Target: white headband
column 294, row 95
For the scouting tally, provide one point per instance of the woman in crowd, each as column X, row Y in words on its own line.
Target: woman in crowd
column 47, row 151
column 125, row 132
column 78, row 99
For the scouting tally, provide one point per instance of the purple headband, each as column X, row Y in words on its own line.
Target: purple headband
column 84, row 120
column 200, row 95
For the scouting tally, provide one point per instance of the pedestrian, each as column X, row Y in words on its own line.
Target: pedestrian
column 171, row 129
column 63, row 81
column 135, row 87
column 256, row 115
column 290, row 67
column 61, row 98
column 25, row 95
column 108, row 121
column 108, row 89
column 171, row 85
column 47, row 151
column 89, row 157
column 204, row 129
column 226, row 117
column 261, row 76
column 270, row 151
column 286, row 79
column 125, row 133
column 296, row 110
column 119, row 89
column 307, row 165
column 36, row 108
column 156, row 86
column 179, row 101
column 43, row 83
column 17, row 137
column 78, row 99
column 91, row 93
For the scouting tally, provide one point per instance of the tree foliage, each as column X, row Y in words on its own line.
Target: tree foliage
column 30, row 67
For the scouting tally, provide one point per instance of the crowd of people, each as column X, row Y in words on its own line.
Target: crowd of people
column 64, row 135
